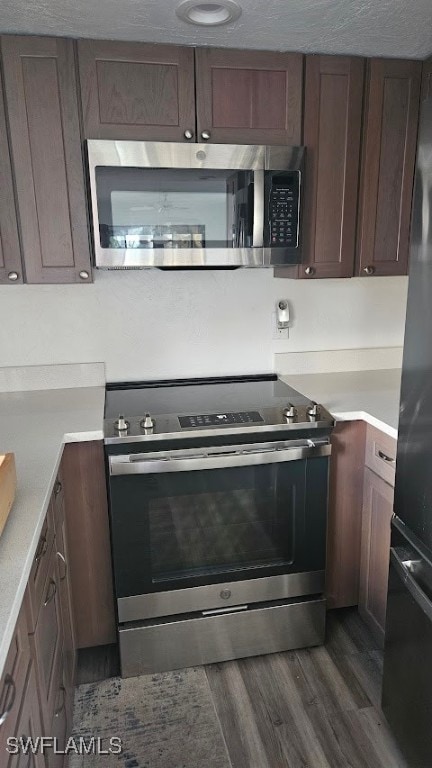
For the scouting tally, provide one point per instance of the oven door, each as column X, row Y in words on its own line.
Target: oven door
column 182, row 520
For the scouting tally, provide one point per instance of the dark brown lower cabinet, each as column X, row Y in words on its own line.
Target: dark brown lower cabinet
column 344, row 516
column 88, row 542
column 69, row 648
column 69, row 593
column 375, row 551
column 28, row 726
column 47, row 644
column 61, row 726
column 15, row 683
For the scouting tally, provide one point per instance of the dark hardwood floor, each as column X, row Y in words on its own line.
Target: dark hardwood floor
column 313, row 708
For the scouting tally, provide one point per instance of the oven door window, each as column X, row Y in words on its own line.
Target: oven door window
column 174, row 530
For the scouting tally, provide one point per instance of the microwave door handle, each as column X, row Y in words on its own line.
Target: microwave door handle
column 128, row 465
column 258, row 209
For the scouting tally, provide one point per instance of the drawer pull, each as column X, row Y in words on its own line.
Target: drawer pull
column 41, row 550
column 51, row 591
column 8, row 684
column 58, row 488
column 63, row 560
column 386, row 458
column 63, row 703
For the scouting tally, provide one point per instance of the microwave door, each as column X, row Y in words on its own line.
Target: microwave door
column 247, row 191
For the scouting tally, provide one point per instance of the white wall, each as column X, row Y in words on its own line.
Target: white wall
column 157, row 324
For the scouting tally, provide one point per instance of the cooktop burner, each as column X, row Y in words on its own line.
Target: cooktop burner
column 161, row 409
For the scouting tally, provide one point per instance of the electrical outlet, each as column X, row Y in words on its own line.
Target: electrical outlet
column 278, row 334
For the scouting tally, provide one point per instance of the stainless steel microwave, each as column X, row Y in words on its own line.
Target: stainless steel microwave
column 167, row 205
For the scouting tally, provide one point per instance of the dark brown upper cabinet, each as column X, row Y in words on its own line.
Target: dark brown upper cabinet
column 137, row 91
column 249, row 97
column 332, row 128
column 388, row 160
column 41, row 97
column 10, row 256
column 426, row 88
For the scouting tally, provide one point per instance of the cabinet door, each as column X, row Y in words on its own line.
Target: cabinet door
column 375, row 551
column 88, row 542
column 344, row 513
column 389, row 150
column 13, row 680
column 136, row 91
column 63, row 580
column 41, row 96
column 10, row 256
column 28, row 726
column 47, row 645
column 332, row 126
column 249, row 97
column 61, row 728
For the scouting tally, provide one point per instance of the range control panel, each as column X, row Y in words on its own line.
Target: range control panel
column 283, row 208
column 220, row 419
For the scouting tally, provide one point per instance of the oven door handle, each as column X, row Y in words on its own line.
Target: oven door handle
column 129, row 465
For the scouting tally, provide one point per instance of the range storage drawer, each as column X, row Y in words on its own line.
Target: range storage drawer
column 158, row 646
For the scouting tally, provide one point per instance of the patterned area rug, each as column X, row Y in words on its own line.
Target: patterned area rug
column 165, row 720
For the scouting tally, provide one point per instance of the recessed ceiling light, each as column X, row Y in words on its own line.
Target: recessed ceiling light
column 208, row 14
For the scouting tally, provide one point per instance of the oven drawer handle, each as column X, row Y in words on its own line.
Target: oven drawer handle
column 127, row 465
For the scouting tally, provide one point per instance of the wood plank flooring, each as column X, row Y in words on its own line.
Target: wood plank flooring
column 312, row 708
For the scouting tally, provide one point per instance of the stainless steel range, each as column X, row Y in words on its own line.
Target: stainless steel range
column 218, row 512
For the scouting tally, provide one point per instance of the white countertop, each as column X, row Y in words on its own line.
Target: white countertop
column 35, row 426
column 372, row 396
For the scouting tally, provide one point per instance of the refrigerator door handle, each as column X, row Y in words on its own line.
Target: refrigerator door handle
column 406, row 571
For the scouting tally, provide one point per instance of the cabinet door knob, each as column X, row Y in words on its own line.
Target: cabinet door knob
column 51, row 592
column 13, row 276
column 205, row 135
column 9, row 685
column 309, row 271
column 188, row 134
column 62, row 559
column 369, row 270
column 84, row 275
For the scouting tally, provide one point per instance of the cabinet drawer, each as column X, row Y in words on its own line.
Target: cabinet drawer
column 47, row 644
column 14, row 676
column 381, row 454
column 39, row 570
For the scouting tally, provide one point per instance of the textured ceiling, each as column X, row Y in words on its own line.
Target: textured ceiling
column 366, row 27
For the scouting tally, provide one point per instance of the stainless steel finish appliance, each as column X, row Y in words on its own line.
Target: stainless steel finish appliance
column 218, row 510
column 168, row 205
column 205, row 639
column 407, row 685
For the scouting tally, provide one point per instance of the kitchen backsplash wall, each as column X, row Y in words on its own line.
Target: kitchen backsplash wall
column 159, row 324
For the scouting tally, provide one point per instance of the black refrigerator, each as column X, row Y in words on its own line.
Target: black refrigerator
column 407, row 681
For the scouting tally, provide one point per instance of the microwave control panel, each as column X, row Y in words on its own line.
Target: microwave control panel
column 283, row 190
